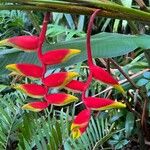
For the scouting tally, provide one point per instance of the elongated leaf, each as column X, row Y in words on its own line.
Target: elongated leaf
column 104, row 45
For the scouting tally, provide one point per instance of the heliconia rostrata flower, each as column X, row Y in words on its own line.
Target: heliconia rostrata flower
column 29, row 70
column 35, row 106
column 95, row 103
column 80, row 123
column 60, row 99
column 75, row 86
column 61, row 79
column 58, row 56
column 25, row 43
column 32, row 90
column 100, row 74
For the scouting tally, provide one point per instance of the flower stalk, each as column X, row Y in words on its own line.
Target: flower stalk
column 41, row 41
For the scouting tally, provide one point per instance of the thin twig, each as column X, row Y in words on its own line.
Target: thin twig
column 120, row 82
column 123, row 81
column 108, row 65
column 123, row 73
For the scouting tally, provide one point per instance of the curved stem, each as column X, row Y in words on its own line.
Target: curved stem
column 89, row 79
column 41, row 40
column 88, row 39
column 42, row 34
column 89, row 51
column 40, row 44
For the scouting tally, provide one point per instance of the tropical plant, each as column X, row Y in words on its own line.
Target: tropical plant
column 110, row 129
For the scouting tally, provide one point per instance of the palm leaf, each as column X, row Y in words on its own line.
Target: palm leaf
column 98, row 132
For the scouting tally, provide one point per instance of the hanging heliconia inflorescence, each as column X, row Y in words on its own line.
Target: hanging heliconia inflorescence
column 61, row 79
column 81, row 121
column 52, row 57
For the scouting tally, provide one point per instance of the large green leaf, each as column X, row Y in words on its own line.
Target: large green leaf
column 104, row 45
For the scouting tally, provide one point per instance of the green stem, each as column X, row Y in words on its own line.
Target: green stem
column 110, row 6
column 85, row 7
column 83, row 10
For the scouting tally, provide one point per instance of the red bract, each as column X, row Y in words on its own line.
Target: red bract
column 32, row 90
column 100, row 74
column 35, row 106
column 75, row 86
column 58, row 56
column 95, row 103
column 80, row 123
column 25, row 43
column 28, row 70
column 60, row 99
column 59, row 79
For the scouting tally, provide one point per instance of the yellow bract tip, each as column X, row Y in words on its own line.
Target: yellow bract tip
column 75, row 132
column 11, row 67
column 69, row 77
column 120, row 105
column 20, row 88
column 111, row 106
column 74, row 51
column 17, row 87
column 4, row 42
column 71, row 53
column 73, row 74
column 28, row 107
column 120, row 88
column 70, row 98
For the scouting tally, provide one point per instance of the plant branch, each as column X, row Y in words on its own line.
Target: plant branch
column 85, row 7
column 124, row 74
column 120, row 82
column 111, row 6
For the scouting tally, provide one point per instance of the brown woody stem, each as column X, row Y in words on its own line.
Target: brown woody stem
column 124, row 74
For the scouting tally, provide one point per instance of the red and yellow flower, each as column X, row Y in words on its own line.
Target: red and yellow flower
column 32, row 90
column 95, row 103
column 100, row 74
column 59, row 79
column 35, row 106
column 60, row 99
column 53, row 57
column 75, row 86
column 80, row 123
column 25, row 43
column 29, row 70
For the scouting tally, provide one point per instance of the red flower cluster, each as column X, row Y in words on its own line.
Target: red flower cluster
column 53, row 57
column 61, row 79
column 81, row 121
